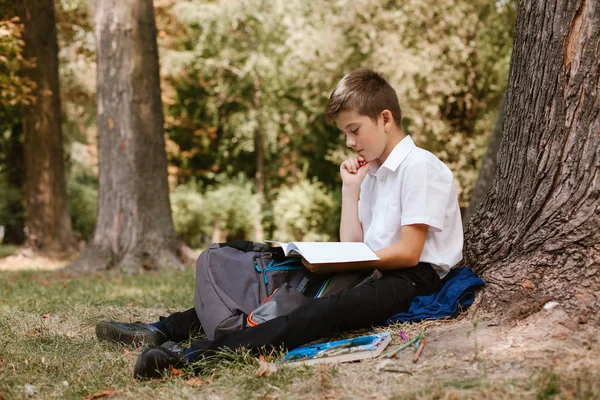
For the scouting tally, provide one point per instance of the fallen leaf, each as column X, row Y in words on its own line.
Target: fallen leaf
column 527, row 284
column 195, row 382
column 265, row 368
column 104, row 393
column 175, row 371
column 46, row 315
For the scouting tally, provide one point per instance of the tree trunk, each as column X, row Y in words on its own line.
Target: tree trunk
column 487, row 172
column 259, row 233
column 536, row 235
column 47, row 214
column 134, row 229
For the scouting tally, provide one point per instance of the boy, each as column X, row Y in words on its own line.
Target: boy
column 397, row 198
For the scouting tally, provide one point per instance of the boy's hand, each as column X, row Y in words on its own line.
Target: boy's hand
column 354, row 169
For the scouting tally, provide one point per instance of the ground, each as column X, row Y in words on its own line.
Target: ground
column 48, row 349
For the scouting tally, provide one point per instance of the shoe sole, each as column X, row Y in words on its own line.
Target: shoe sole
column 108, row 332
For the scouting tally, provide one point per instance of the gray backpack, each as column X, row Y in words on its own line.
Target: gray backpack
column 242, row 283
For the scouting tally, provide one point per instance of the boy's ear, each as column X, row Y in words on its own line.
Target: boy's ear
column 386, row 115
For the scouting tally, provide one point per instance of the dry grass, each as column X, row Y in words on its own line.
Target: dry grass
column 48, row 349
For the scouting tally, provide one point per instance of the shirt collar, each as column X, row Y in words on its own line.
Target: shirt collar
column 398, row 154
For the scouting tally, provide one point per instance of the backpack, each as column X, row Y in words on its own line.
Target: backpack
column 242, row 284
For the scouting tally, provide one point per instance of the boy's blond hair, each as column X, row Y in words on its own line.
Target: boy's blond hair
column 366, row 92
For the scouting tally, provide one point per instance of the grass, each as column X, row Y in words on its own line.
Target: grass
column 48, row 350
column 47, row 338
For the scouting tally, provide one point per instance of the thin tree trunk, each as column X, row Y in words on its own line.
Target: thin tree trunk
column 259, row 234
column 47, row 221
column 487, row 172
column 134, row 229
column 536, row 236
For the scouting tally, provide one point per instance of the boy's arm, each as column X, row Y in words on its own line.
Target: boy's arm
column 353, row 172
column 350, row 226
column 403, row 254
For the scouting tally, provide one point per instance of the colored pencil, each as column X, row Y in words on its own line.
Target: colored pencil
column 419, row 350
column 402, row 347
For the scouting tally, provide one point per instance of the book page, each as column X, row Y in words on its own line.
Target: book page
column 334, row 252
column 287, row 247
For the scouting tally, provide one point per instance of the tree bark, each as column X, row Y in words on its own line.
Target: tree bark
column 134, row 230
column 536, row 235
column 47, row 222
column 487, row 172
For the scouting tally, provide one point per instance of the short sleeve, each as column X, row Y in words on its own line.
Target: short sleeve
column 425, row 192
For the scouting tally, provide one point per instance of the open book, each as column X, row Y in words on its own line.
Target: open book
column 328, row 252
column 353, row 349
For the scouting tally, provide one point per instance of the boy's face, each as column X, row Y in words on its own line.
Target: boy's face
column 365, row 136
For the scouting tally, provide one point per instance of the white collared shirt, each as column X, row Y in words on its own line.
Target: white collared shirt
column 412, row 187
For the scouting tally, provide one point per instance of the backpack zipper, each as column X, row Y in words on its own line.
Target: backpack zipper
column 284, row 266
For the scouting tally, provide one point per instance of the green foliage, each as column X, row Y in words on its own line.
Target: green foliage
column 241, row 78
column 82, row 191
column 270, row 66
column 230, row 204
column 302, row 211
column 15, row 89
column 9, row 196
column 83, row 200
column 190, row 215
column 234, row 204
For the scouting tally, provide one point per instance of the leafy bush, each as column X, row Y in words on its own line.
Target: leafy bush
column 231, row 202
column 190, row 216
column 306, row 211
column 8, row 197
column 235, row 205
column 82, row 191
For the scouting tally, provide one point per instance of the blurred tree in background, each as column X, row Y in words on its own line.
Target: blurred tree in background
column 47, row 221
column 16, row 91
column 244, row 87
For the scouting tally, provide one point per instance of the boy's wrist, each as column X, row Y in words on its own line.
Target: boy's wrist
column 350, row 190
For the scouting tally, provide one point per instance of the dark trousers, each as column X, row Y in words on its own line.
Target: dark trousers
column 368, row 305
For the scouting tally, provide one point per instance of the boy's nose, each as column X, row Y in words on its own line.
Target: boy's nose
column 350, row 142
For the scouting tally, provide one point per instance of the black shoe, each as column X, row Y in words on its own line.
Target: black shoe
column 133, row 334
column 153, row 361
